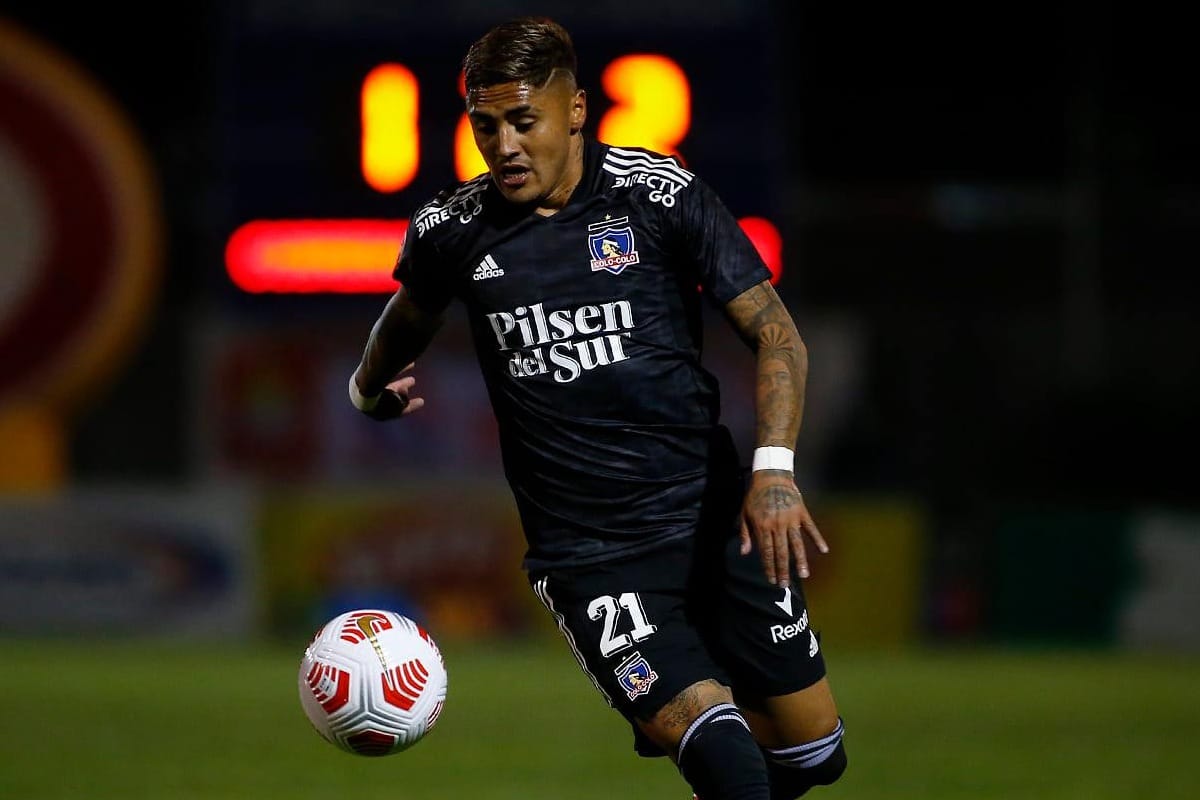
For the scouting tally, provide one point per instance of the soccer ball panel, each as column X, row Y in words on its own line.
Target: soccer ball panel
column 372, row 682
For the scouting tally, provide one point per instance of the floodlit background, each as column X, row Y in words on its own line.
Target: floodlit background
column 981, row 221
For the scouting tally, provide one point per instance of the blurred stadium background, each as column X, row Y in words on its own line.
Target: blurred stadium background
column 980, row 219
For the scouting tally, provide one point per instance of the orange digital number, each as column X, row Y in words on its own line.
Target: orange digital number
column 653, row 103
column 391, row 147
column 467, row 161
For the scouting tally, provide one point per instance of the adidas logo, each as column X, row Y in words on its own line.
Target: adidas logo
column 487, row 269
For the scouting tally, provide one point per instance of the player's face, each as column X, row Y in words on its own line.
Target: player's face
column 528, row 137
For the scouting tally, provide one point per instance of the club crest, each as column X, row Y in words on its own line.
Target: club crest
column 635, row 675
column 611, row 245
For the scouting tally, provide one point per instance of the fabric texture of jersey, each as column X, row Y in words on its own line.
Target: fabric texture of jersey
column 587, row 327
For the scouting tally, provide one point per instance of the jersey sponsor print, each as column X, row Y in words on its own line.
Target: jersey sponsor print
column 566, row 341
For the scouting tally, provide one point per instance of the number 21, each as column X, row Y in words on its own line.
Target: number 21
column 606, row 606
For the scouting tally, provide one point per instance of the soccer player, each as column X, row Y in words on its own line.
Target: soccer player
column 667, row 568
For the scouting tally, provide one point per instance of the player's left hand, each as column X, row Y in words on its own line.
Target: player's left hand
column 775, row 518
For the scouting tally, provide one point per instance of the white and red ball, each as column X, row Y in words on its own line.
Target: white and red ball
column 372, row 682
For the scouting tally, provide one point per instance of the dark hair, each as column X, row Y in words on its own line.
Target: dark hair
column 522, row 50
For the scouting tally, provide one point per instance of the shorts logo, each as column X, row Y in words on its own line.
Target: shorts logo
column 785, row 605
column 781, row 633
column 611, row 245
column 813, row 645
column 635, row 675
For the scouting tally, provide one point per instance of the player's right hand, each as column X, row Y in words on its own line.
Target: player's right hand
column 775, row 521
column 394, row 401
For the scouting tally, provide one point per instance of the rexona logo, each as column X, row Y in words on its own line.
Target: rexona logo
column 781, row 633
column 563, row 343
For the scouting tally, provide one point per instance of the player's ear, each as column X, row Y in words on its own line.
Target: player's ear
column 578, row 111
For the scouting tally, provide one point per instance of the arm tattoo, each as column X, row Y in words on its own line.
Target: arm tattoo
column 766, row 326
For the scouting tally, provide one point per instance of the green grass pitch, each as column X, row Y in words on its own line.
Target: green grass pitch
column 124, row 721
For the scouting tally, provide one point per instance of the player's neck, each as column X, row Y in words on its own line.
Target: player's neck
column 558, row 198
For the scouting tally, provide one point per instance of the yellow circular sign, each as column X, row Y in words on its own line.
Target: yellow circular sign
column 80, row 229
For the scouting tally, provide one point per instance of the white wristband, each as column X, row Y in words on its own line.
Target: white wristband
column 361, row 401
column 773, row 458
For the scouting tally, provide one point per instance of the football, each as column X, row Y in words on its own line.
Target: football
column 372, row 682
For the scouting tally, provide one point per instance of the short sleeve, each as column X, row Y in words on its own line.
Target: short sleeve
column 726, row 261
column 424, row 273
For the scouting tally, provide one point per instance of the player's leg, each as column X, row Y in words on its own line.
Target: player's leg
column 627, row 624
column 801, row 736
column 706, row 735
column 765, row 639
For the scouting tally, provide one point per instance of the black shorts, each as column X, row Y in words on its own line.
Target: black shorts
column 645, row 628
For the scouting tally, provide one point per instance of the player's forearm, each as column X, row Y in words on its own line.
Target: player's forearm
column 766, row 326
column 782, row 375
column 401, row 333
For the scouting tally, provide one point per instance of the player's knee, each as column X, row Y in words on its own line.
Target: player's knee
column 829, row 770
column 795, row 770
column 669, row 726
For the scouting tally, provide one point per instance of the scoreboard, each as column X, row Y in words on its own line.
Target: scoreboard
column 330, row 140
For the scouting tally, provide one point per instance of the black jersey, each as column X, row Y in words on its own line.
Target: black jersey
column 587, row 327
